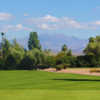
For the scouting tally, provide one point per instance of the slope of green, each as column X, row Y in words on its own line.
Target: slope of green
column 38, row 85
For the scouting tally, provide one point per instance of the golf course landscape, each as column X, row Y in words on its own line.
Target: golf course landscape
column 49, row 50
column 40, row 85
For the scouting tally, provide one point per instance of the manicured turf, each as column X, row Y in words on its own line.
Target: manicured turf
column 38, row 85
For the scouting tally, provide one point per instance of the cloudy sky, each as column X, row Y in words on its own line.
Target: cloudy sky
column 79, row 18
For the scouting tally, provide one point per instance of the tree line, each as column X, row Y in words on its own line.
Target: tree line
column 15, row 57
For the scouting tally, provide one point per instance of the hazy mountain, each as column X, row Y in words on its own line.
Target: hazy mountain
column 55, row 42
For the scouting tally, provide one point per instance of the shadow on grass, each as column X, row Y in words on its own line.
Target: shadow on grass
column 79, row 80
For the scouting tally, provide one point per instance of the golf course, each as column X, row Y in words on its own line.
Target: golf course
column 40, row 85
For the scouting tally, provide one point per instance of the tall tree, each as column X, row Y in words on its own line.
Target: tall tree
column 6, row 48
column 2, row 34
column 64, row 48
column 33, row 41
column 92, row 51
column 69, row 53
column 93, row 47
column 17, row 51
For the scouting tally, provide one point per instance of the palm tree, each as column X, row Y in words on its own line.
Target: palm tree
column 2, row 34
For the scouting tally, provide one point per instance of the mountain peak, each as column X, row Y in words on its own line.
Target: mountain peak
column 55, row 42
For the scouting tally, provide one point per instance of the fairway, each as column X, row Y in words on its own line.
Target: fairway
column 39, row 85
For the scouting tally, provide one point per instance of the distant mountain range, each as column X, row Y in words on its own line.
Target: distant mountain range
column 55, row 42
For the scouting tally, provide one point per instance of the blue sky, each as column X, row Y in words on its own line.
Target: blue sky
column 80, row 18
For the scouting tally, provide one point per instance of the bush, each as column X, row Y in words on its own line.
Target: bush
column 10, row 62
column 50, row 61
column 66, row 66
column 43, row 66
column 58, row 67
column 1, row 64
column 87, row 61
column 27, row 63
column 61, row 66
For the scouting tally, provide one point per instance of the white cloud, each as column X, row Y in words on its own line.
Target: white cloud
column 49, row 22
column 5, row 16
column 50, row 18
column 18, row 27
column 66, row 22
column 92, row 25
column 97, row 23
column 47, row 26
column 25, row 14
column 43, row 26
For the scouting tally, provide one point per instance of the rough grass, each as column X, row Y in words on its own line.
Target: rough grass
column 38, row 85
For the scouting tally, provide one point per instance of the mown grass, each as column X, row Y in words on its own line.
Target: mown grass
column 39, row 85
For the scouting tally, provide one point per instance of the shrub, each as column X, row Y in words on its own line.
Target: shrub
column 1, row 63
column 50, row 61
column 66, row 66
column 27, row 63
column 60, row 67
column 10, row 62
column 43, row 66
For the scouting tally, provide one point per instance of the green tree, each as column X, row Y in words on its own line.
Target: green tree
column 92, row 50
column 27, row 63
column 93, row 47
column 97, row 39
column 33, row 41
column 17, row 52
column 69, row 53
column 10, row 62
column 5, row 48
column 91, row 40
column 30, row 60
column 64, row 48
